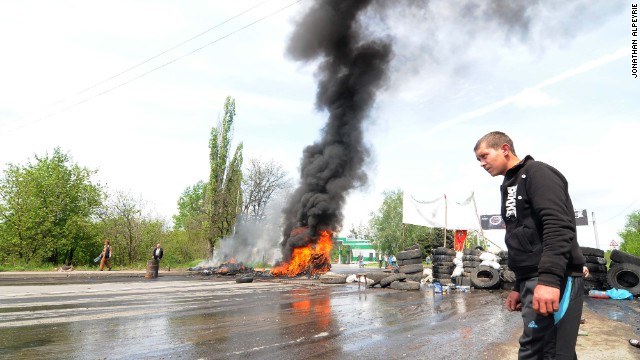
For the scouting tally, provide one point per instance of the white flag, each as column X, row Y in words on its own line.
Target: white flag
column 440, row 212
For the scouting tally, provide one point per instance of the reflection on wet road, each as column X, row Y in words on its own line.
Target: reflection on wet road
column 219, row 319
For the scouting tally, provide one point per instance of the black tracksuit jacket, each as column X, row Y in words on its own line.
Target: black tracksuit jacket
column 540, row 223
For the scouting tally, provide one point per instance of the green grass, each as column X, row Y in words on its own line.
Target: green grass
column 95, row 266
column 27, row 267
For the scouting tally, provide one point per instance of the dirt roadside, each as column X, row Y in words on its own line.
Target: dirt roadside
column 604, row 339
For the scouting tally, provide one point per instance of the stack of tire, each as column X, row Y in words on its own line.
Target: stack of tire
column 624, row 272
column 443, row 265
column 410, row 263
column 470, row 262
column 409, row 273
column 597, row 265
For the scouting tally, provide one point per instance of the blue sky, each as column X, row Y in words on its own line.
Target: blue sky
column 562, row 90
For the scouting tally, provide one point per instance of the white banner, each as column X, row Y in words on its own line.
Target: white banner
column 440, row 213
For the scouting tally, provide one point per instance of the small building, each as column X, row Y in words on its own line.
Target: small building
column 352, row 248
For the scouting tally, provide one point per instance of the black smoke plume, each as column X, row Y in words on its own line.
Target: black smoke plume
column 350, row 72
column 353, row 68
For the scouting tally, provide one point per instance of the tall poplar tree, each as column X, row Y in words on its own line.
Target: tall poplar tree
column 223, row 194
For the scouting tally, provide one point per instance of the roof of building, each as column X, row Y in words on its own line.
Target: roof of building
column 355, row 243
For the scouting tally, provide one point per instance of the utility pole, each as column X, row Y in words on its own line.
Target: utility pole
column 445, row 222
column 595, row 229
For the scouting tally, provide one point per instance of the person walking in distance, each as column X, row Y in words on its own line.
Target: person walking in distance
column 543, row 249
column 157, row 252
column 107, row 253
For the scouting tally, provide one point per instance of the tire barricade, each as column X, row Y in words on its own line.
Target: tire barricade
column 407, row 276
column 443, row 265
column 624, row 272
column 596, row 263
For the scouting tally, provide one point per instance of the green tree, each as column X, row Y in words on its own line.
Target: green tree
column 189, row 223
column 190, row 208
column 208, row 211
column 391, row 235
column 46, row 211
column 631, row 234
column 223, row 196
column 131, row 228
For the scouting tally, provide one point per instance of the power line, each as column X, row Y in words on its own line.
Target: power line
column 152, row 70
column 172, row 48
column 620, row 213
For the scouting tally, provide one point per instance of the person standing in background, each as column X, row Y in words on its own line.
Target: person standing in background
column 157, row 253
column 107, row 253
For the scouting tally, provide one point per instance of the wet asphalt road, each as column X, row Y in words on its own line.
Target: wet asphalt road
column 196, row 317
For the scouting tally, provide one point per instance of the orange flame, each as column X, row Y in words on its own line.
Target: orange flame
column 314, row 259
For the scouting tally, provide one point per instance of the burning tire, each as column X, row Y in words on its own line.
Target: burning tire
column 405, row 285
column 485, row 277
column 623, row 257
column 409, row 254
column 411, row 269
column 625, row 276
column 389, row 279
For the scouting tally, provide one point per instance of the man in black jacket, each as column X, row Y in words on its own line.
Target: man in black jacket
column 543, row 249
column 157, row 252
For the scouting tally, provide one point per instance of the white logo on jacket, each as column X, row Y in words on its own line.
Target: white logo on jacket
column 510, row 204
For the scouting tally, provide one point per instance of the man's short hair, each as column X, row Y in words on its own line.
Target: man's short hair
column 494, row 140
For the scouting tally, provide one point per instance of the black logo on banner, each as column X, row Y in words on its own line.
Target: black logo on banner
column 491, row 222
